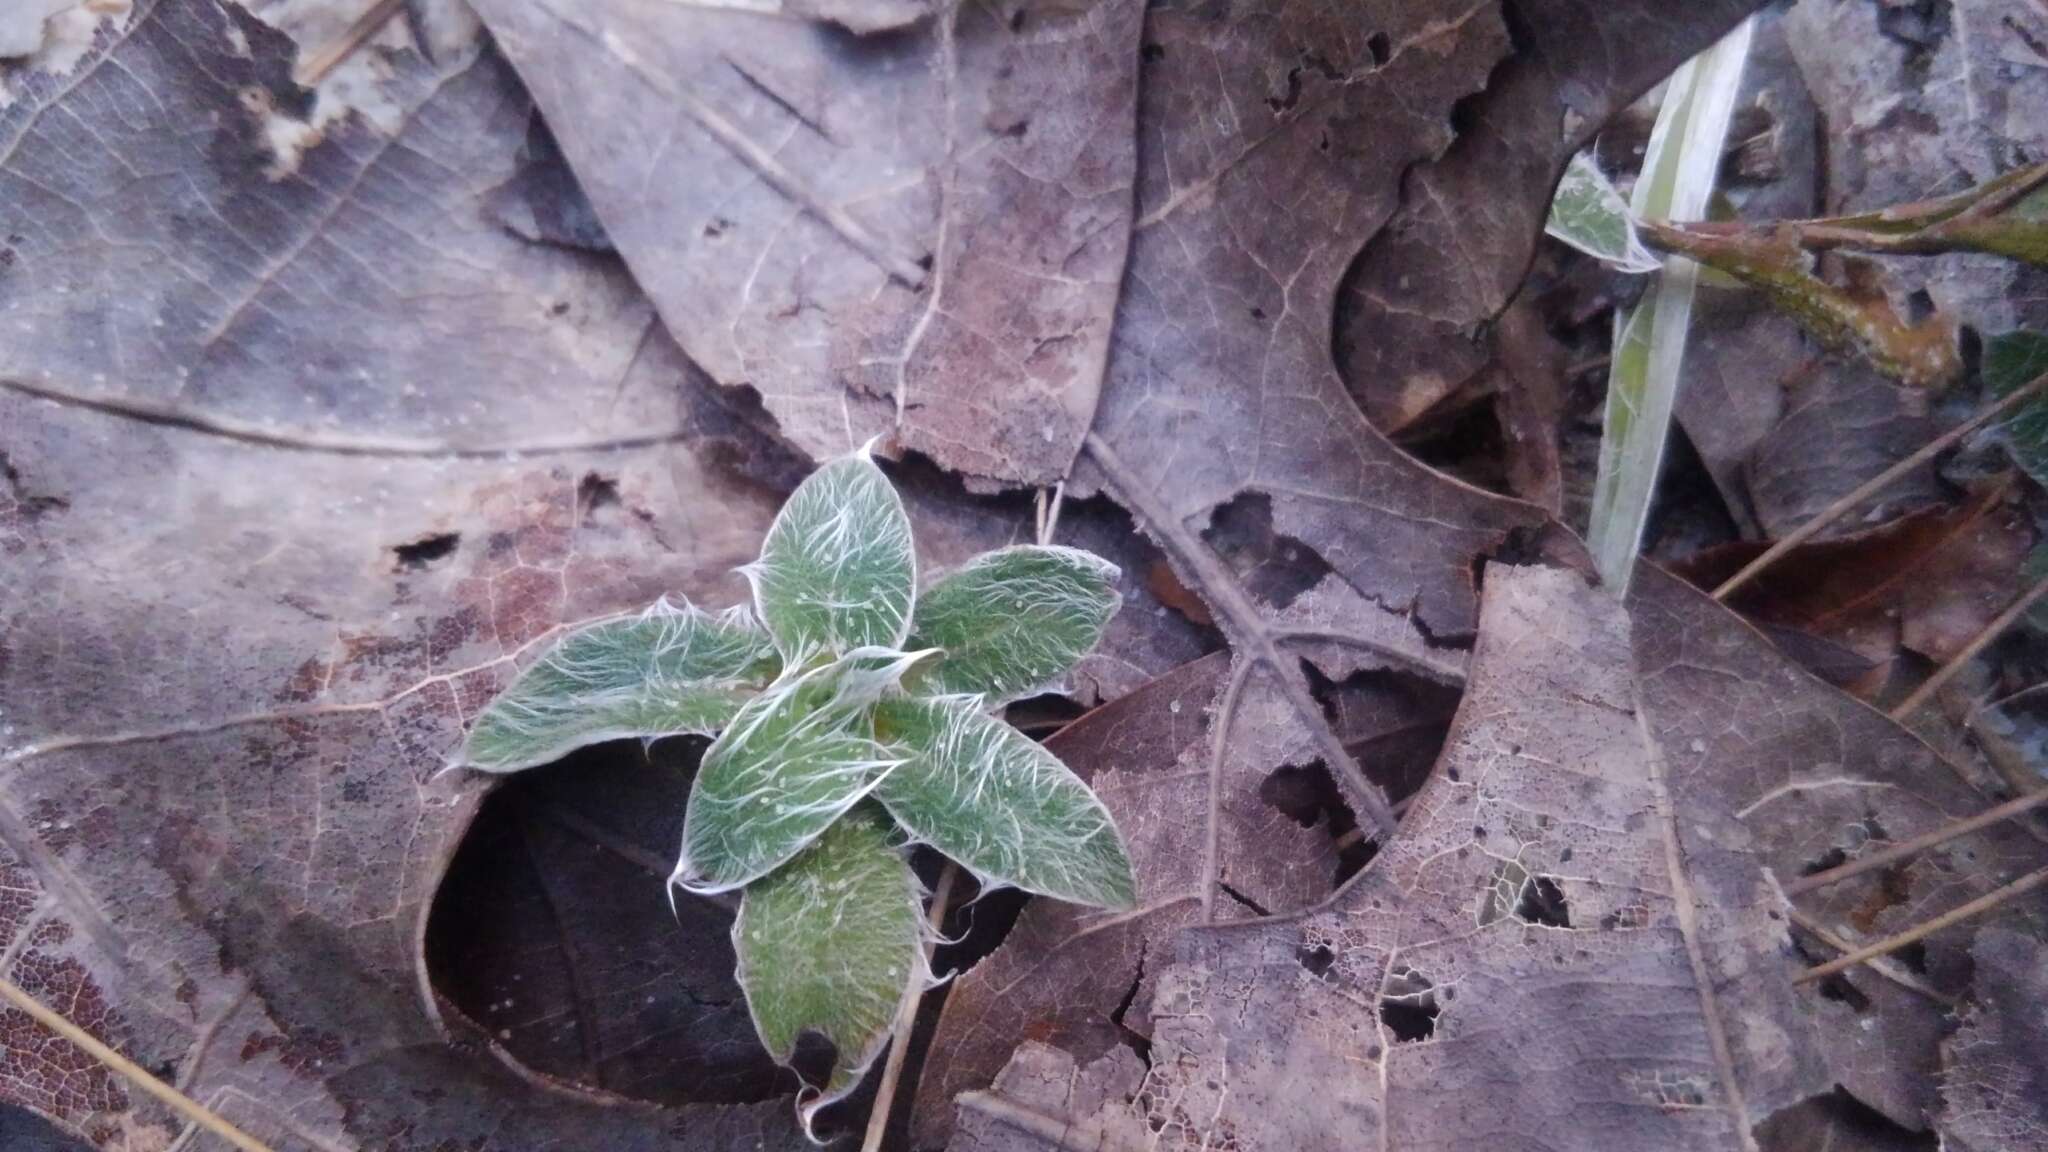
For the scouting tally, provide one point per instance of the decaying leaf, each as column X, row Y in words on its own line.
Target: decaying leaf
column 1927, row 581
column 921, row 233
column 284, row 525
column 1995, row 1087
column 1535, row 946
column 1577, row 923
column 1205, row 840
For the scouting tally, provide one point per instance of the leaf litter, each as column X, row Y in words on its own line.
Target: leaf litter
column 270, row 732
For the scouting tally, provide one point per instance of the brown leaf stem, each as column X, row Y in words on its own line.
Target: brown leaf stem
column 1878, row 483
column 315, row 67
column 1258, row 641
column 899, row 1046
column 1953, row 916
column 1985, row 635
column 128, row 1070
column 1919, row 844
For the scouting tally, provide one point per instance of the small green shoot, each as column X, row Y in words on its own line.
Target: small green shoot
column 1649, row 339
column 854, row 719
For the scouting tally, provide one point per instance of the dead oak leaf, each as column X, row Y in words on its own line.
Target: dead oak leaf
column 921, row 233
column 310, row 463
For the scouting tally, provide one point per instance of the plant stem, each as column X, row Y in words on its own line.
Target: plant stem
column 1920, row 843
column 1876, row 484
column 1953, row 916
column 1878, row 964
column 313, row 69
column 899, row 1046
column 128, row 1070
column 1985, row 636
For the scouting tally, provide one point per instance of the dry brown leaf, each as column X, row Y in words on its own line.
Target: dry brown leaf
column 1995, row 1087
column 1576, row 931
column 921, row 233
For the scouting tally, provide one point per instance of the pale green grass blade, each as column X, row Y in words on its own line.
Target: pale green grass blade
column 1649, row 343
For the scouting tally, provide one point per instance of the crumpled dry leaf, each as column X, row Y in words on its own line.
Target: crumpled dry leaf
column 1842, row 424
column 296, row 530
column 1538, row 945
column 922, row 233
column 1995, row 1087
column 1472, row 216
column 1928, row 581
column 1084, row 980
column 1578, row 912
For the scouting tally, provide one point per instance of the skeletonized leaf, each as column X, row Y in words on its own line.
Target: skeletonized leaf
column 785, row 768
column 837, row 571
column 1004, row 807
column 832, row 944
column 1012, row 620
column 1589, row 214
column 667, row 671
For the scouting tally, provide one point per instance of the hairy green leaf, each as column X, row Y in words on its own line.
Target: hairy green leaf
column 831, row 944
column 1013, row 620
column 837, row 571
column 1002, row 806
column 665, row 672
column 1589, row 214
column 786, row 767
column 2011, row 360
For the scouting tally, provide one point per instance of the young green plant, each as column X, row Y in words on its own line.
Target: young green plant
column 853, row 717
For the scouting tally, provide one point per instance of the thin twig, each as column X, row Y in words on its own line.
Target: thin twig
column 1878, row 964
column 1919, row 844
column 1878, row 483
column 128, row 1070
column 314, row 68
column 899, row 1047
column 1256, row 639
column 1952, row 917
column 1984, row 636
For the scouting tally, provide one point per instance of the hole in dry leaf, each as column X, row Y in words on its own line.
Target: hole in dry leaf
column 422, row 554
column 1274, row 568
column 1408, row 1006
column 1392, row 723
column 551, row 932
column 594, row 493
column 1838, row 989
column 1832, row 858
column 1543, row 903
column 1318, row 960
column 1381, row 48
column 1838, row 1120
